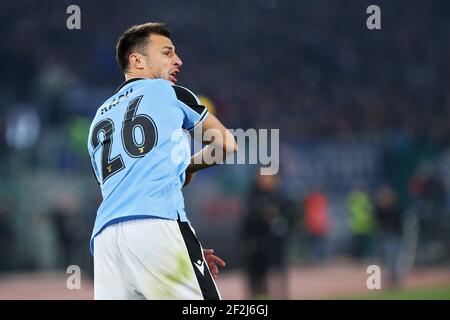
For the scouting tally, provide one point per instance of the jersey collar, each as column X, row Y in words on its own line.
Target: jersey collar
column 127, row 82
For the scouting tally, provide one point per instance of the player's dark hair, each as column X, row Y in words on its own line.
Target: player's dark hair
column 136, row 39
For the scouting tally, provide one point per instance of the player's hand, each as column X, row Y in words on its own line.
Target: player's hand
column 189, row 175
column 213, row 261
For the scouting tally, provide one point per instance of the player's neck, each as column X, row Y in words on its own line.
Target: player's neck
column 133, row 75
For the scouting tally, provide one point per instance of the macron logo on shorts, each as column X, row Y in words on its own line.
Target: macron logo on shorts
column 200, row 266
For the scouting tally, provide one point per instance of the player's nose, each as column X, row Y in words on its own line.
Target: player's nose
column 177, row 61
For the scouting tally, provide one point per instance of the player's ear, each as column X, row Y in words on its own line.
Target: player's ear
column 136, row 60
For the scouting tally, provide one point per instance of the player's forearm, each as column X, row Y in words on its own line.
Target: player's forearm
column 220, row 143
column 211, row 155
column 198, row 161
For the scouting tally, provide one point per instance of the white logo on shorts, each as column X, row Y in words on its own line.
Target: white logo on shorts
column 200, row 266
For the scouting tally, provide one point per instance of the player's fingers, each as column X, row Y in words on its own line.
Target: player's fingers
column 214, row 270
column 208, row 251
column 213, row 274
column 217, row 260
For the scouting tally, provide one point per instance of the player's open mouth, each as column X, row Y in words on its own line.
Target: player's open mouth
column 173, row 75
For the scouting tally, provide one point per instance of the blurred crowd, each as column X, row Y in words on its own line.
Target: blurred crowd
column 316, row 62
column 310, row 68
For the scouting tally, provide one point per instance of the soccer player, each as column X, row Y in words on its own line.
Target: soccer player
column 143, row 244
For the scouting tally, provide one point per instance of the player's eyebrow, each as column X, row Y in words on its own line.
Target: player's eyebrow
column 168, row 47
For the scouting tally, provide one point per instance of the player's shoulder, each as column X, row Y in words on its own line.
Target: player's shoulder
column 185, row 95
column 155, row 84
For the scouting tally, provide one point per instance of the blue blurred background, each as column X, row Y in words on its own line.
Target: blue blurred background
column 363, row 117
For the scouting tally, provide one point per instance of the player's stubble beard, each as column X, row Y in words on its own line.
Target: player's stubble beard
column 157, row 73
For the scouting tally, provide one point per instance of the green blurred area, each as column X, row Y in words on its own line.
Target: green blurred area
column 441, row 292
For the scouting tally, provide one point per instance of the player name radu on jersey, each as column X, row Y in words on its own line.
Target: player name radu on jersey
column 116, row 101
column 193, row 310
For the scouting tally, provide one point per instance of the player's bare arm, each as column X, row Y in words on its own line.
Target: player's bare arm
column 221, row 140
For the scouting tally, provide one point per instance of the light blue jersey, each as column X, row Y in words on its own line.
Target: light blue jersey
column 138, row 153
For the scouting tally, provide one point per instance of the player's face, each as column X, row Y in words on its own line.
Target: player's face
column 161, row 60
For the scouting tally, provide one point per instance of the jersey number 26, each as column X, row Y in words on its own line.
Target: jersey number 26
column 134, row 149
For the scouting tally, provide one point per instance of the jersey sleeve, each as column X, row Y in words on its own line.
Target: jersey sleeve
column 194, row 112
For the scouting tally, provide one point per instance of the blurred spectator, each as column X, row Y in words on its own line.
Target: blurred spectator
column 7, row 243
column 71, row 230
column 361, row 222
column 430, row 196
column 317, row 224
column 389, row 217
column 265, row 234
